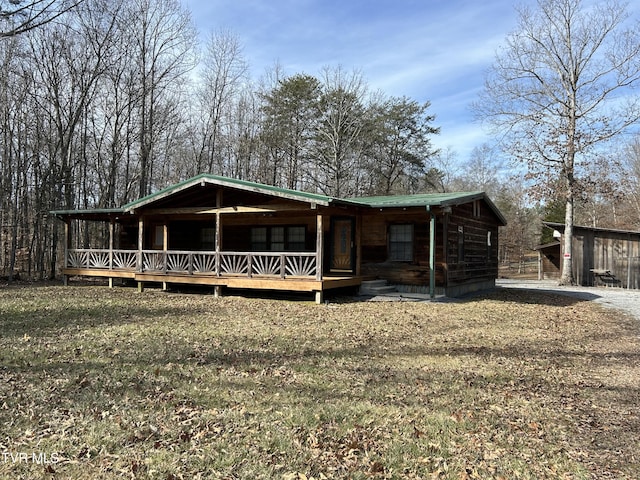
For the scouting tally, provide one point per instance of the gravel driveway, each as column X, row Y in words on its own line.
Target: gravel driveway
column 618, row 298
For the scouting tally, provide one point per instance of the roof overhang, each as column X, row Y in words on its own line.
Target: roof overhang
column 93, row 214
column 205, row 179
column 430, row 201
column 154, row 202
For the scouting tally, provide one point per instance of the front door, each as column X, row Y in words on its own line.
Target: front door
column 342, row 244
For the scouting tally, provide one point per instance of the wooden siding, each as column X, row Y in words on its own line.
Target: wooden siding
column 469, row 257
column 551, row 263
column 478, row 261
column 375, row 248
column 604, row 250
column 615, row 251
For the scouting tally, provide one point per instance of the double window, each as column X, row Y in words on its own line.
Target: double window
column 401, row 243
column 278, row 239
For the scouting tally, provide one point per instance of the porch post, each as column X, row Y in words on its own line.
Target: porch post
column 319, row 251
column 217, row 290
column 111, row 228
column 140, row 246
column 67, row 245
column 358, row 244
column 165, row 248
column 432, row 253
column 540, row 266
column 445, row 250
column 319, row 246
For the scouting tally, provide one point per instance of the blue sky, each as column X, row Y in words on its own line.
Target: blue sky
column 428, row 50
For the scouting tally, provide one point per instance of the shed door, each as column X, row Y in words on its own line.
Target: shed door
column 342, row 244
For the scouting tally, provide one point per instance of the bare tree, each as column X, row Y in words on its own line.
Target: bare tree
column 223, row 73
column 15, row 170
column 69, row 61
column 560, row 89
column 440, row 177
column 341, row 117
column 482, row 170
column 163, row 39
column 20, row 16
column 631, row 173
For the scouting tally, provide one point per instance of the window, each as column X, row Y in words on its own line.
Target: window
column 158, row 237
column 295, row 238
column 208, row 238
column 278, row 239
column 401, row 243
column 476, row 208
column 259, row 239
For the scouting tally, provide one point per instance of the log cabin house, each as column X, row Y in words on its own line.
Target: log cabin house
column 223, row 232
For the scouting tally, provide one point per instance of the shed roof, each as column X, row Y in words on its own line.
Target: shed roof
column 560, row 227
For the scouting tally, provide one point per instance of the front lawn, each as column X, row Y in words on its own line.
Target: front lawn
column 109, row 383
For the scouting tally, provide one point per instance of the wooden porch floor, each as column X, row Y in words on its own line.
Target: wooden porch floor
column 291, row 284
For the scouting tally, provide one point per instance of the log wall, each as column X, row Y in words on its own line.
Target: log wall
column 462, row 251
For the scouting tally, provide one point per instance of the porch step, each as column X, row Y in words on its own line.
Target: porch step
column 376, row 287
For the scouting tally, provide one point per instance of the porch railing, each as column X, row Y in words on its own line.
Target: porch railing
column 246, row 264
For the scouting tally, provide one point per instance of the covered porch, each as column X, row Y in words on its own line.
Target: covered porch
column 240, row 270
column 222, row 234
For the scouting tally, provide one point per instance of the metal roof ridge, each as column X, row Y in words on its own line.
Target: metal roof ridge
column 231, row 182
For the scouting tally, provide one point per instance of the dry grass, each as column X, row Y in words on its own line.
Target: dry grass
column 115, row 384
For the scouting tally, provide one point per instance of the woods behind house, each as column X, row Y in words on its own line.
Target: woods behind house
column 115, row 99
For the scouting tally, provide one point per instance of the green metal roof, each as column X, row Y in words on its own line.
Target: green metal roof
column 419, row 200
column 428, row 200
column 205, row 178
column 389, row 201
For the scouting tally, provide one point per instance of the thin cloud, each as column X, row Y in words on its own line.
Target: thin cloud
column 429, row 51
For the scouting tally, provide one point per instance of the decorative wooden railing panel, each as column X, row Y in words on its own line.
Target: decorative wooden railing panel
column 232, row 263
column 204, row 262
column 301, row 265
column 102, row 259
column 125, row 259
column 249, row 264
column 153, row 261
column 266, row 265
